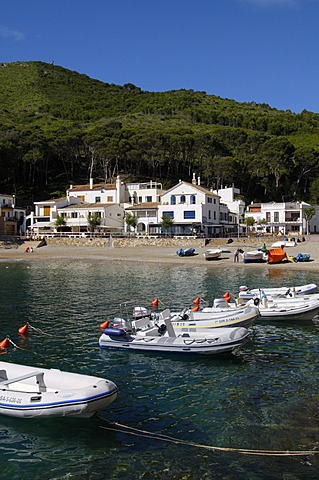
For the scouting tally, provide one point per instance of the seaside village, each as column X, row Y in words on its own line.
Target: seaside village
column 192, row 210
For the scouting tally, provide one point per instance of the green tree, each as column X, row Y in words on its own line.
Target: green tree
column 59, row 222
column 131, row 220
column 93, row 219
column 308, row 213
column 249, row 222
column 167, row 222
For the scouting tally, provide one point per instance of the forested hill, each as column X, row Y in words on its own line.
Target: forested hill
column 58, row 126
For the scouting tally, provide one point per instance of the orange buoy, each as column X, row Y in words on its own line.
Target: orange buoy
column 4, row 343
column 196, row 301
column 227, row 294
column 104, row 325
column 195, row 309
column 155, row 302
column 23, row 330
column 227, row 299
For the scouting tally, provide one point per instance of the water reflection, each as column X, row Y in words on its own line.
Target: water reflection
column 265, row 396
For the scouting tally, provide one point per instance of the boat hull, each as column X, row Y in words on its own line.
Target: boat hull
column 209, row 318
column 253, row 257
column 301, row 313
column 203, row 345
column 57, row 393
column 274, row 292
column 213, row 254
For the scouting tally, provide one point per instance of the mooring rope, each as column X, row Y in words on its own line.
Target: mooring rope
column 38, row 330
column 15, row 345
column 243, row 451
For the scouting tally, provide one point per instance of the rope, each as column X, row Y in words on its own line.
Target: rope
column 38, row 330
column 17, row 346
column 144, row 433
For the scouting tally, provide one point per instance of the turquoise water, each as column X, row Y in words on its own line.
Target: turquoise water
column 263, row 397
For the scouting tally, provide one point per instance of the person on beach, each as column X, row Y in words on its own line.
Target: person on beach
column 236, row 255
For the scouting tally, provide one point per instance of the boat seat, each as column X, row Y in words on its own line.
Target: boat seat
column 39, row 379
column 141, row 322
column 149, row 332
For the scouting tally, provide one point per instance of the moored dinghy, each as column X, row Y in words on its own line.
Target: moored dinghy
column 145, row 337
column 304, row 308
column 222, row 314
column 28, row 392
column 248, row 293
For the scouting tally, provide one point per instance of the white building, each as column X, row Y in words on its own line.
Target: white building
column 107, row 193
column 76, row 217
column 45, row 214
column 147, row 192
column 192, row 208
column 11, row 217
column 282, row 218
column 147, row 217
column 231, row 197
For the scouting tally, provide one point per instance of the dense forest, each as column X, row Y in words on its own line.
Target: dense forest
column 59, row 127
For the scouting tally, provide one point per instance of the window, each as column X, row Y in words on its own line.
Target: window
column 209, row 214
column 149, row 199
column 74, row 215
column 173, row 200
column 189, row 215
column 193, row 200
column 97, row 199
column 183, row 199
column 170, row 214
column 214, row 215
column 276, row 216
column 215, row 201
column 209, row 200
column 110, row 199
column 267, row 217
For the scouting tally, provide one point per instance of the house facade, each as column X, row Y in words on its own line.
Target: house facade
column 111, row 217
column 235, row 209
column 11, row 217
column 106, row 193
column 193, row 209
column 45, row 214
column 282, row 218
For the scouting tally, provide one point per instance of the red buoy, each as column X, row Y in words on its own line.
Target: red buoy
column 196, row 301
column 5, row 343
column 23, row 330
column 104, row 325
column 155, row 302
column 227, row 294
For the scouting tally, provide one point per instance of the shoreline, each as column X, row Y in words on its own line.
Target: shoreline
column 159, row 255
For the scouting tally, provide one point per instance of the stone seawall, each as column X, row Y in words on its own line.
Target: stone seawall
column 128, row 242
column 179, row 242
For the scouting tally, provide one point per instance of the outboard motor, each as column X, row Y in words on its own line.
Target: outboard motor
column 243, row 288
column 162, row 329
column 141, row 312
column 220, row 303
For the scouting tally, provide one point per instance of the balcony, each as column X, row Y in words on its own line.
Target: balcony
column 293, row 219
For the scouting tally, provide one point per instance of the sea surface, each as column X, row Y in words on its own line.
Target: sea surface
column 263, row 397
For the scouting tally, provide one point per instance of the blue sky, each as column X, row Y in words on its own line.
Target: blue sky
column 264, row 51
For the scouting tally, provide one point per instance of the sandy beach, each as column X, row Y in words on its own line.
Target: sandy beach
column 159, row 254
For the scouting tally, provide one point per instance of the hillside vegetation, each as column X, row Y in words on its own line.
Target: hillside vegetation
column 58, row 127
